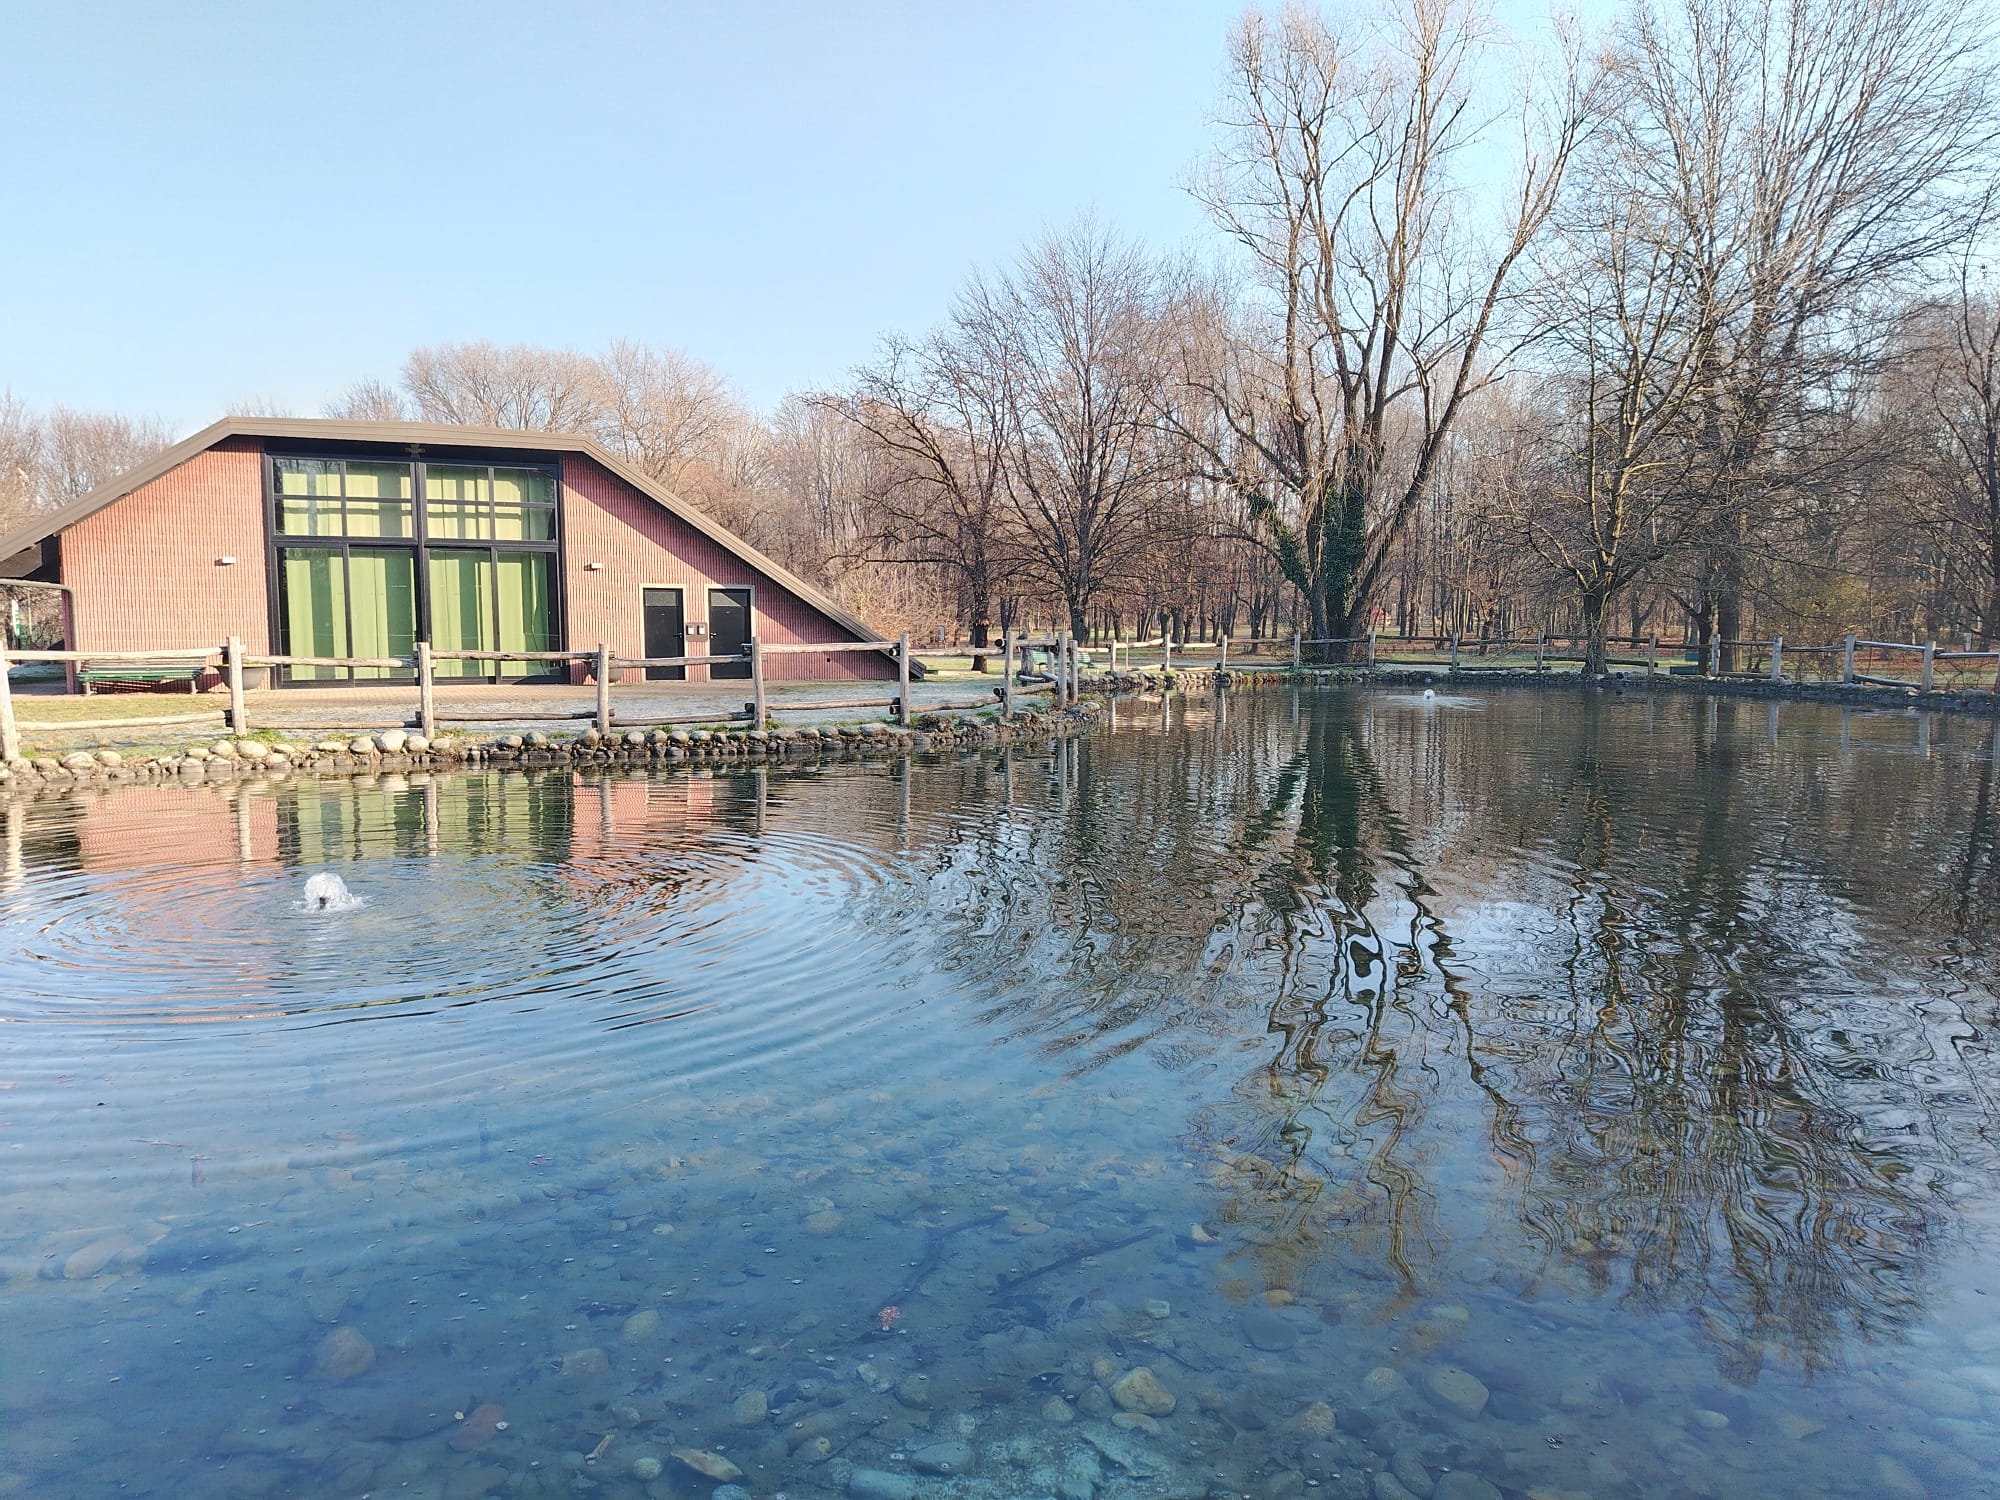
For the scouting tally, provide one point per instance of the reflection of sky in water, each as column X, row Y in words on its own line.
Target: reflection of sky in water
column 1629, row 1056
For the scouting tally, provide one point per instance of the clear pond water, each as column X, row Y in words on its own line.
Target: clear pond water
column 1528, row 1094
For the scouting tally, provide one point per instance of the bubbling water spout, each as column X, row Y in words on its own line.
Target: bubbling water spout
column 325, row 892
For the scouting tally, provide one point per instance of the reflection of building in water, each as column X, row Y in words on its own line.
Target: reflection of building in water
column 140, row 827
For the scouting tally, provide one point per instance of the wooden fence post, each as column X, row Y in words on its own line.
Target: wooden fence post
column 603, row 688
column 1007, row 678
column 232, row 666
column 1223, row 641
column 757, row 709
column 1371, row 650
column 10, row 732
column 1715, row 655
column 1454, row 651
column 902, row 679
column 1541, row 650
column 1777, row 658
column 1930, row 652
column 1847, row 661
column 1166, row 650
column 426, row 692
column 1295, row 648
column 1652, row 653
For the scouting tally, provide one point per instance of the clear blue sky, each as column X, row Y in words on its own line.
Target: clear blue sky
column 208, row 203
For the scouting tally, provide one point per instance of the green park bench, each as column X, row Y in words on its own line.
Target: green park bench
column 139, row 675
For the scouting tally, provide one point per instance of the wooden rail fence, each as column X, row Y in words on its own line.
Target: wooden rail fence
column 601, row 663
column 1862, row 661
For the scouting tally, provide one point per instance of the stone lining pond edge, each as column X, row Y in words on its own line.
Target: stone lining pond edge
column 397, row 752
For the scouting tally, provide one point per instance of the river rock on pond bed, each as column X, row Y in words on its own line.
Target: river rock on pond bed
column 342, row 1354
column 96, row 1256
column 1269, row 1329
column 953, row 1456
column 1458, row 1389
column 1139, row 1390
column 876, row 1484
column 712, row 1465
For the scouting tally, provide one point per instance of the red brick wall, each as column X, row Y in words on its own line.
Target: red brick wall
column 142, row 571
column 643, row 546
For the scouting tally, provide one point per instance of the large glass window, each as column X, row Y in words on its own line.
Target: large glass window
column 462, row 608
column 477, row 503
column 348, row 602
column 526, row 596
column 524, row 505
column 364, row 570
column 337, row 497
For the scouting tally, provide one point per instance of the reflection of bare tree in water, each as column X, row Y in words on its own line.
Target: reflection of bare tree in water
column 1685, row 1095
column 1696, row 1147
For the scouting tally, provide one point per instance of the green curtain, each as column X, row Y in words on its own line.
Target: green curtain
column 461, row 608
column 524, row 506
column 378, row 499
column 383, row 586
column 527, row 621
column 456, row 502
column 315, row 609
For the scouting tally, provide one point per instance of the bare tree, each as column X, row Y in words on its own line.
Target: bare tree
column 20, row 460
column 1632, row 334
column 660, row 409
column 482, row 384
column 938, row 416
column 370, row 401
column 1072, row 336
column 1370, row 316
column 51, row 459
column 1955, row 363
column 1812, row 154
column 82, row 450
column 259, row 406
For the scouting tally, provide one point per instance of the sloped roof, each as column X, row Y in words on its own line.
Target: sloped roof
column 428, row 435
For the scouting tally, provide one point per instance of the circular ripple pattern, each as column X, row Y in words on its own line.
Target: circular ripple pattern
column 743, row 942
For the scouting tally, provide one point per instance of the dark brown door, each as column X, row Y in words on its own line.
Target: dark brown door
column 729, row 631
column 666, row 633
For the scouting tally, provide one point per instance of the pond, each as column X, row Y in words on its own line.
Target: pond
column 1344, row 1093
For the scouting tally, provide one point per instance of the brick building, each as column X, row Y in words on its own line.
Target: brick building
column 358, row 539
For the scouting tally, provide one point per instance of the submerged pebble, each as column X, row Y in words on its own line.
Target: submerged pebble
column 342, row 1354
column 953, row 1456
column 1269, row 1330
column 1139, row 1390
column 1459, row 1389
column 876, row 1484
column 713, row 1465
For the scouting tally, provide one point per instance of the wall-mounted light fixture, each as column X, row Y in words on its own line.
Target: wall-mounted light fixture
column 225, row 562
column 593, row 567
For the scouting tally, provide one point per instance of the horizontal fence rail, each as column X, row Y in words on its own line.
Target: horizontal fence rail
column 600, row 665
column 1032, row 663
